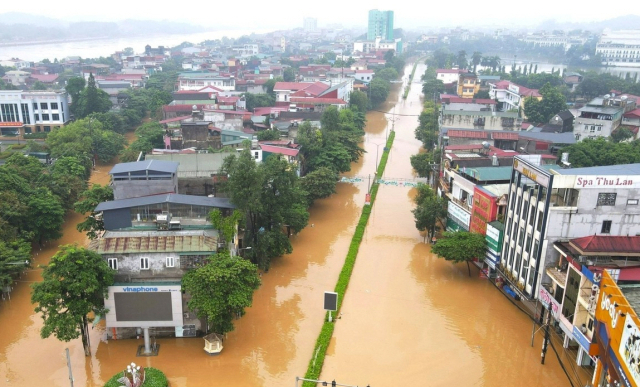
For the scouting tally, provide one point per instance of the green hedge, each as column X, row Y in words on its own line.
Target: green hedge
column 153, row 378
column 320, row 349
column 30, row 136
column 413, row 72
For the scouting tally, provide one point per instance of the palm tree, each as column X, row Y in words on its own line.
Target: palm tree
column 476, row 58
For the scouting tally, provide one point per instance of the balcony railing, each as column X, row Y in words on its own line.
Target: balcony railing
column 462, row 204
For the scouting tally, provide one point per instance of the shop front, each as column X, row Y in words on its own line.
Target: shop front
column 617, row 338
column 457, row 218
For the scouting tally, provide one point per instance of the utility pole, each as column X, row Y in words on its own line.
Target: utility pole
column 69, row 366
column 545, row 342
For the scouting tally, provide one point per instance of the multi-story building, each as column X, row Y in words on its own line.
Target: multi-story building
column 449, row 76
column 310, row 24
column 380, row 25
column 151, row 242
column 199, row 80
column 620, row 48
column 601, row 116
column 511, row 96
column 23, row 112
column 564, row 41
column 548, row 204
column 468, row 85
column 144, row 178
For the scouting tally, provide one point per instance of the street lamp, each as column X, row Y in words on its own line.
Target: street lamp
column 377, row 148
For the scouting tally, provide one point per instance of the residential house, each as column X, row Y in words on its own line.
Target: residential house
column 468, row 85
column 16, row 63
column 511, row 96
column 563, row 121
column 198, row 80
column 632, row 121
column 16, row 77
column 449, row 76
column 601, row 116
column 489, row 120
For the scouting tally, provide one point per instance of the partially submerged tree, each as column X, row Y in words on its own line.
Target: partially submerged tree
column 221, row 290
column 74, row 284
column 88, row 202
column 429, row 210
column 461, row 246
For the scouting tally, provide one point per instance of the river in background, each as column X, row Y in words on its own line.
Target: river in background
column 96, row 48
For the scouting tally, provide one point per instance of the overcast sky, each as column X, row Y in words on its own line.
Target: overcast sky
column 288, row 13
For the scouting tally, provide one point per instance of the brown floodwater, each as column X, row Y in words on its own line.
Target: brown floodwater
column 412, row 319
column 408, row 317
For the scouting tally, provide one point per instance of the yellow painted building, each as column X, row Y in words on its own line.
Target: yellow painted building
column 468, row 85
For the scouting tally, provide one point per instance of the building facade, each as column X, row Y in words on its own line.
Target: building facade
column 548, row 204
column 620, row 48
column 23, row 112
column 380, row 25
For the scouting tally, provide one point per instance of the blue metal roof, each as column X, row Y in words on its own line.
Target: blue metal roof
column 152, row 165
column 620, row 169
column 165, row 198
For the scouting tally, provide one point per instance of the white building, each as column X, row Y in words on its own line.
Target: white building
column 448, row 76
column 310, row 24
column 563, row 41
column 510, row 95
column 620, row 48
column 601, row 116
column 548, row 204
column 32, row 111
column 15, row 62
column 199, row 80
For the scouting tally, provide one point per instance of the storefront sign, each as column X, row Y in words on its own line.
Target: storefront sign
column 594, row 181
column 581, row 339
column 536, row 175
column 549, row 302
column 457, row 213
column 629, row 350
column 619, row 370
column 483, row 211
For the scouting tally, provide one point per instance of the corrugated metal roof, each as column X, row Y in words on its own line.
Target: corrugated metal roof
column 136, row 242
column 151, row 165
column 490, row 173
column 607, row 244
column 165, row 198
column 466, row 134
column 608, row 170
column 504, row 136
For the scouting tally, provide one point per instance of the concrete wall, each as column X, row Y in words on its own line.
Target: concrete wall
column 471, row 121
column 124, row 189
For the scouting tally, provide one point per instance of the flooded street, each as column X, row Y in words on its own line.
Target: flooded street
column 409, row 318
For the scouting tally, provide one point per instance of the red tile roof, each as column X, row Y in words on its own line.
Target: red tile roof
column 466, row 134
column 280, row 150
column 263, row 111
column 181, row 108
column 293, row 86
column 318, row 101
column 633, row 113
column 524, row 91
column 175, row 119
column 607, row 245
column 504, row 136
column 228, row 99
column 46, row 78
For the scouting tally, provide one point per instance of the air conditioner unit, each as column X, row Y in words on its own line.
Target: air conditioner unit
column 188, row 330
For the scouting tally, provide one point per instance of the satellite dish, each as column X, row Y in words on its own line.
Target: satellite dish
column 485, row 144
column 624, row 98
column 606, row 96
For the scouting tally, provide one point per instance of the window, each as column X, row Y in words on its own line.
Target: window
column 632, row 202
column 55, row 117
column 539, row 225
column 521, row 237
column 606, row 227
column 54, row 105
column 532, row 215
column 35, row 106
column 45, row 117
column 144, row 263
column 170, row 262
column 113, row 263
column 606, row 199
column 255, row 155
column 37, row 117
column 47, row 129
column 535, row 250
column 43, row 105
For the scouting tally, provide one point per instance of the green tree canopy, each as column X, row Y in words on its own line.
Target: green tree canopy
column 601, row 151
column 319, row 184
column 92, row 100
column 461, row 246
column 221, row 290
column 14, row 259
column 552, row 103
column 75, row 283
column 359, row 101
column 430, row 209
column 87, row 204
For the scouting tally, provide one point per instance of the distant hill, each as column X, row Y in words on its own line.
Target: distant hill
column 627, row 22
column 18, row 27
column 25, row 18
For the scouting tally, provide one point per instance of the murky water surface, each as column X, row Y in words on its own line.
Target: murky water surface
column 409, row 318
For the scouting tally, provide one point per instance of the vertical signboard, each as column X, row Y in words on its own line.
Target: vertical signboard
column 629, row 349
column 494, row 237
column 483, row 211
